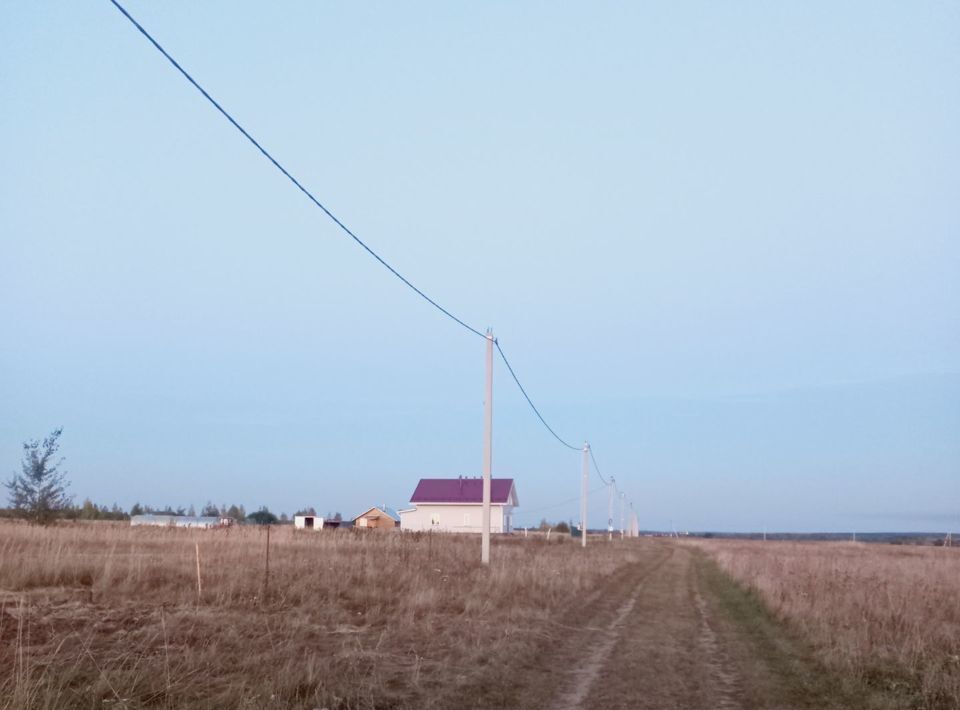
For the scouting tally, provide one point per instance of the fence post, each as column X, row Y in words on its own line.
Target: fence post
column 266, row 568
column 199, row 584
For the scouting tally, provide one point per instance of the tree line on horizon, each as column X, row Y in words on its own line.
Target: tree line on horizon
column 39, row 495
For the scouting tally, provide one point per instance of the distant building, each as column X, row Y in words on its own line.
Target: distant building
column 315, row 522
column 307, row 522
column 378, row 517
column 180, row 521
column 456, row 505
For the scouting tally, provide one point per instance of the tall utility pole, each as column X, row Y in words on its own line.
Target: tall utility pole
column 622, row 498
column 610, row 509
column 487, row 454
column 584, row 480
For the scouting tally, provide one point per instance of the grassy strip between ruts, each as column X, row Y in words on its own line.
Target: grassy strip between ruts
column 888, row 615
column 802, row 677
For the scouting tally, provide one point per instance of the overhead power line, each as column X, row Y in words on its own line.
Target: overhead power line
column 530, row 401
column 597, row 468
column 344, row 227
column 555, row 505
column 290, row 177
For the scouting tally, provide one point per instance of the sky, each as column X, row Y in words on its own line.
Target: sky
column 721, row 242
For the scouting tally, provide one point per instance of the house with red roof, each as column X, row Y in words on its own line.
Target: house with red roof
column 456, row 505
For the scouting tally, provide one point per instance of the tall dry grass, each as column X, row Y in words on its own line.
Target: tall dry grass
column 101, row 614
column 888, row 614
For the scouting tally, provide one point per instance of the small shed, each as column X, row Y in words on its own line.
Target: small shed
column 308, row 522
column 379, row 517
column 315, row 522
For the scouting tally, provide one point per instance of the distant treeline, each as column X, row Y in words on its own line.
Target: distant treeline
column 88, row 510
column 237, row 512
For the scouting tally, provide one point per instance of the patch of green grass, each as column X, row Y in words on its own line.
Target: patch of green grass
column 801, row 679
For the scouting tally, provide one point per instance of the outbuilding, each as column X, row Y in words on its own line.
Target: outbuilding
column 180, row 521
column 308, row 522
column 315, row 522
column 379, row 517
column 456, row 505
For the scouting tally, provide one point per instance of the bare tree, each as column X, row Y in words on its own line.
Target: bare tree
column 39, row 492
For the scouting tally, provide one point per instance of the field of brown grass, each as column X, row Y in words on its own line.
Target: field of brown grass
column 104, row 615
column 887, row 614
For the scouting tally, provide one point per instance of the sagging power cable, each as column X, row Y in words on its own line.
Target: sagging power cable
column 344, row 227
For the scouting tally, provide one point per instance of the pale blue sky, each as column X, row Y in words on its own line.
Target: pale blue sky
column 721, row 241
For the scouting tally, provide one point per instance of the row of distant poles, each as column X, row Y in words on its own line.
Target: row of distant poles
column 584, row 478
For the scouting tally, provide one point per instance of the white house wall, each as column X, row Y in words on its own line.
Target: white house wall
column 462, row 518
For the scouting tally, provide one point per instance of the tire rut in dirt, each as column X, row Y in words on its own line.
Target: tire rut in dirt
column 596, row 656
column 666, row 656
column 727, row 684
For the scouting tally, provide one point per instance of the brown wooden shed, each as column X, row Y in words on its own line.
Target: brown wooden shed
column 379, row 517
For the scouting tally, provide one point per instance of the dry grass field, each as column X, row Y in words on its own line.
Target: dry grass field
column 887, row 614
column 101, row 615
column 104, row 615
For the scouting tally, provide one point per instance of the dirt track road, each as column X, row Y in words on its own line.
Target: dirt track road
column 673, row 632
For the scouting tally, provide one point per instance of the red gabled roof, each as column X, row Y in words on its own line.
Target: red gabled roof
column 461, row 490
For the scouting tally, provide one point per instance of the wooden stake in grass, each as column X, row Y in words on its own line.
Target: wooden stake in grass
column 199, row 584
column 266, row 569
column 166, row 654
column 18, row 657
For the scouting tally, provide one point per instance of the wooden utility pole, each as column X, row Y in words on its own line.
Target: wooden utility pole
column 487, row 454
column 584, row 480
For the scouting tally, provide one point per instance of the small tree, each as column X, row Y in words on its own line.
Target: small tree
column 262, row 517
column 39, row 493
column 236, row 512
column 89, row 510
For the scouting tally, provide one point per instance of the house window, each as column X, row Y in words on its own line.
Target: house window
column 435, row 519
